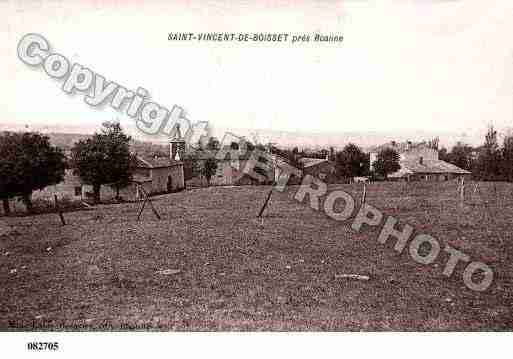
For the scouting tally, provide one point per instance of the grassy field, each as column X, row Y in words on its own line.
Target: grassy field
column 232, row 271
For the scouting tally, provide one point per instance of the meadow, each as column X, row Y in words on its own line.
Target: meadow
column 211, row 264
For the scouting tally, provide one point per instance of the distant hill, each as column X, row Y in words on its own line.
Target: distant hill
column 285, row 139
column 66, row 140
column 365, row 139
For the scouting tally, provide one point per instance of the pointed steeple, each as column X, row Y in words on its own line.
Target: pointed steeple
column 177, row 145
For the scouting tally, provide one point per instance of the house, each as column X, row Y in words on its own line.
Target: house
column 159, row 174
column 321, row 168
column 154, row 174
column 70, row 187
column 420, row 162
column 282, row 165
column 234, row 166
column 230, row 170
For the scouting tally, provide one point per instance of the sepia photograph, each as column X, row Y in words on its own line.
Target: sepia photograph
column 290, row 176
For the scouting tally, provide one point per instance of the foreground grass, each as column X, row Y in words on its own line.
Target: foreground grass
column 242, row 273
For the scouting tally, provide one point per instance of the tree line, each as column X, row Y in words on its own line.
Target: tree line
column 29, row 162
column 492, row 161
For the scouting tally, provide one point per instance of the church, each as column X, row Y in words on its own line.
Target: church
column 161, row 174
column 152, row 175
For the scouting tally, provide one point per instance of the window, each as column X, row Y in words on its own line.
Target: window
column 78, row 191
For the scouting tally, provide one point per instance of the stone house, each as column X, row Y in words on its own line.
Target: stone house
column 321, row 168
column 420, row 162
column 229, row 172
column 156, row 175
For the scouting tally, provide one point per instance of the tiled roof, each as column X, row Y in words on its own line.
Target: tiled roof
column 156, row 162
column 229, row 155
column 140, row 178
column 400, row 147
column 308, row 162
column 427, row 166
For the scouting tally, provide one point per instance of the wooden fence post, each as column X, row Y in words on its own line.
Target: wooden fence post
column 266, row 202
column 364, row 194
column 61, row 216
column 147, row 200
column 462, row 191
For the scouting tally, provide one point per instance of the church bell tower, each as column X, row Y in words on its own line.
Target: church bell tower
column 177, row 145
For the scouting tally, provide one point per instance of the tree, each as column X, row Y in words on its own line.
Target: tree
column 265, row 169
column 293, row 158
column 28, row 162
column 387, row 162
column 191, row 165
column 213, row 144
column 249, row 146
column 461, row 156
column 507, row 158
column 332, row 154
column 351, row 162
column 488, row 164
column 122, row 173
column 209, row 168
column 104, row 159
column 261, row 147
column 434, row 143
column 443, row 155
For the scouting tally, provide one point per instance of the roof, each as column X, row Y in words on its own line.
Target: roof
column 308, row 162
column 400, row 147
column 427, row 166
column 280, row 160
column 229, row 154
column 155, row 162
column 140, row 178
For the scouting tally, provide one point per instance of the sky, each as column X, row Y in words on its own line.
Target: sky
column 426, row 65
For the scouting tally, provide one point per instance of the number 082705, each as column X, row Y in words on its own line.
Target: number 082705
column 42, row 346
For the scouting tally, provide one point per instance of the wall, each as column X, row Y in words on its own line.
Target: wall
column 65, row 188
column 158, row 185
column 223, row 175
column 146, row 172
column 413, row 154
column 437, row 177
column 160, row 176
column 108, row 193
column 324, row 171
column 424, row 152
